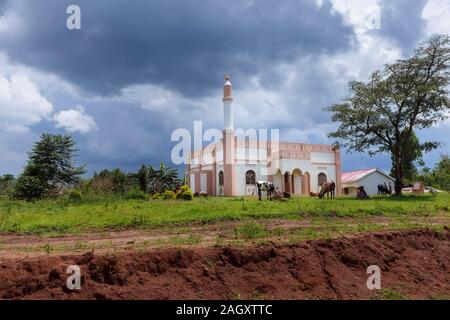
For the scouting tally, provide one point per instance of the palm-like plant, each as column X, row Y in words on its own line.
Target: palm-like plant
column 164, row 178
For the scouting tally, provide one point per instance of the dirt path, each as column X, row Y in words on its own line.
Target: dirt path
column 25, row 246
column 414, row 264
column 198, row 235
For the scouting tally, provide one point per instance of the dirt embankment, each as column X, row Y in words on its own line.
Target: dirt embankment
column 414, row 263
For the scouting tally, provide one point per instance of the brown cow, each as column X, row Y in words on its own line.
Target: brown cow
column 328, row 188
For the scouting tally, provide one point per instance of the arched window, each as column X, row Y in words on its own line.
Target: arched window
column 221, row 178
column 250, row 177
column 322, row 178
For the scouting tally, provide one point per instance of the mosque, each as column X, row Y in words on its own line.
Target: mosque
column 235, row 164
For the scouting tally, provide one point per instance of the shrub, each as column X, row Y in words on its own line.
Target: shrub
column 168, row 194
column 187, row 195
column 28, row 188
column 135, row 194
column 74, row 195
column 185, row 188
column 156, row 196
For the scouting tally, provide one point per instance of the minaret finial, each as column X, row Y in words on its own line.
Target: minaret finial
column 227, row 103
column 227, row 89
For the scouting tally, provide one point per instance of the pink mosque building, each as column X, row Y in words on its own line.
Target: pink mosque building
column 231, row 167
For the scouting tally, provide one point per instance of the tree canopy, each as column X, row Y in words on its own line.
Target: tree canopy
column 50, row 167
column 148, row 179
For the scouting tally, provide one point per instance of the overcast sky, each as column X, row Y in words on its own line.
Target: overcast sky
column 137, row 70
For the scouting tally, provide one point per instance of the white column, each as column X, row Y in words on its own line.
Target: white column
column 228, row 114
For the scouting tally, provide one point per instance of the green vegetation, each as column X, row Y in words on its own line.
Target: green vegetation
column 390, row 294
column 51, row 173
column 185, row 193
column 50, row 168
column 6, row 184
column 148, row 180
column 251, row 230
column 64, row 215
column 135, row 194
column 439, row 176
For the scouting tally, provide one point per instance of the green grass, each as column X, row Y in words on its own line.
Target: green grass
column 251, row 230
column 390, row 294
column 54, row 217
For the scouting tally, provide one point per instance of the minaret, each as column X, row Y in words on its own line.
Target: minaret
column 229, row 169
column 228, row 104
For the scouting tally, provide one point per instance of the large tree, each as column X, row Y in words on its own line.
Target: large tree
column 51, row 166
column 382, row 114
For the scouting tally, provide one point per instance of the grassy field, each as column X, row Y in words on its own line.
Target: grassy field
column 55, row 217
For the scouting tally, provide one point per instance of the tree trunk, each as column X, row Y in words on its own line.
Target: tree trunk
column 398, row 174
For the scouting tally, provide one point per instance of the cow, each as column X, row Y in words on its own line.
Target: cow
column 328, row 188
column 265, row 186
column 383, row 189
column 361, row 193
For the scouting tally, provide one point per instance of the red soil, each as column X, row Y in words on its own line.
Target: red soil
column 415, row 263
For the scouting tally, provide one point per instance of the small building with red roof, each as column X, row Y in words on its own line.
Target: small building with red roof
column 368, row 178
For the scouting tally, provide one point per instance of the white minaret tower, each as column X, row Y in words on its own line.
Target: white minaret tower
column 229, row 168
column 228, row 104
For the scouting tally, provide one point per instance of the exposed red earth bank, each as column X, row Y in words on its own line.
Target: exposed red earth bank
column 413, row 263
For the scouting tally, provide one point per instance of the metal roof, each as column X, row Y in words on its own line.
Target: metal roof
column 353, row 176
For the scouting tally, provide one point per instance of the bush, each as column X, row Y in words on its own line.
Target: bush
column 168, row 194
column 28, row 188
column 74, row 195
column 185, row 188
column 156, row 196
column 186, row 193
column 135, row 194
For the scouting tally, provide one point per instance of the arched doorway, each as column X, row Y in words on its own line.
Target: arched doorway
column 278, row 180
column 306, row 180
column 221, row 187
column 321, row 179
column 250, row 181
column 221, row 178
column 297, row 181
column 250, row 177
column 287, row 182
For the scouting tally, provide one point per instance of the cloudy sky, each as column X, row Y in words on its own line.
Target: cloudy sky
column 137, row 70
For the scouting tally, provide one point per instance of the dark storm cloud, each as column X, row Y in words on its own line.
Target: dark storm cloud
column 402, row 21
column 3, row 4
column 185, row 45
